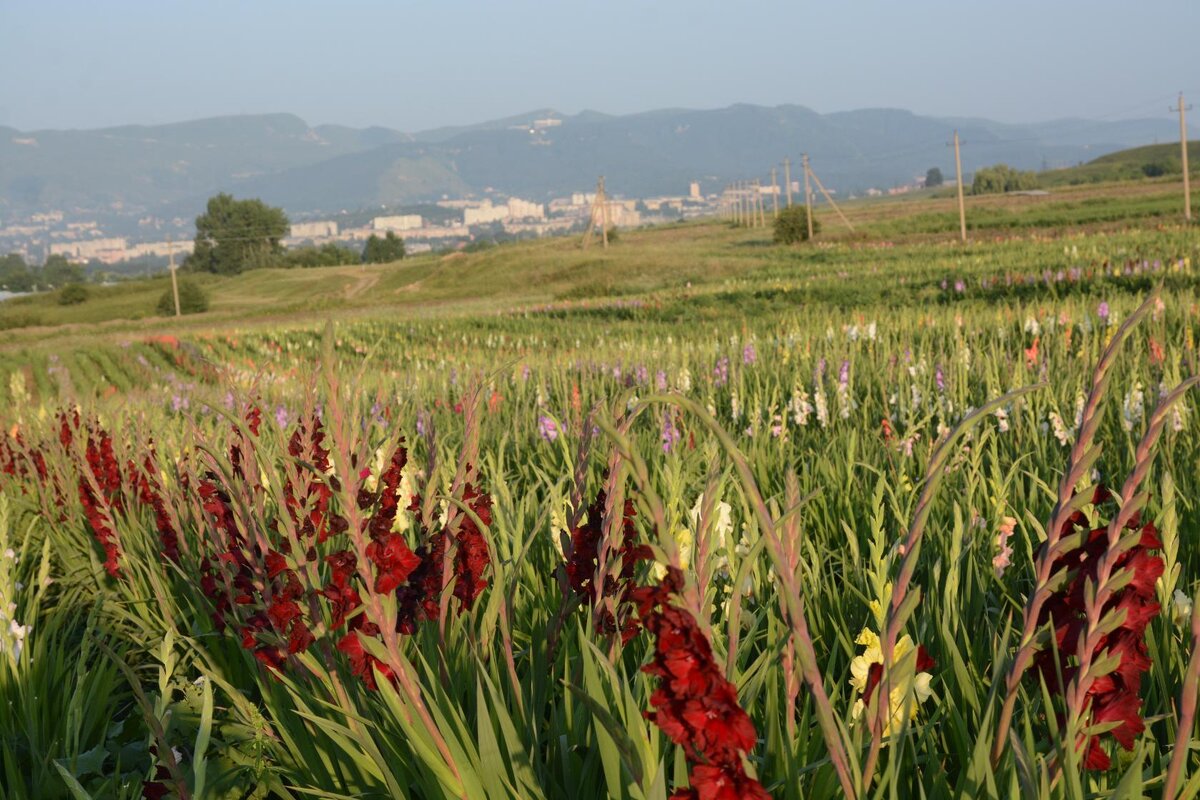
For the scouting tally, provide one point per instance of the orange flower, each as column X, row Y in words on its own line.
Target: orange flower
column 1031, row 353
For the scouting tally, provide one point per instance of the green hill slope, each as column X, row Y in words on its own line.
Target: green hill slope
column 1137, row 163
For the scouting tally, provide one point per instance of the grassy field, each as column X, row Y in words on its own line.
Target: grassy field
column 698, row 516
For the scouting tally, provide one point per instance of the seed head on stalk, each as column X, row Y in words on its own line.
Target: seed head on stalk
column 1121, row 575
column 832, row 730
column 1084, row 454
column 902, row 602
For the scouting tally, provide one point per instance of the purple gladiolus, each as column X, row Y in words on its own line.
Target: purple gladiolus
column 547, row 428
column 670, row 434
column 1103, row 312
column 749, row 354
column 721, row 371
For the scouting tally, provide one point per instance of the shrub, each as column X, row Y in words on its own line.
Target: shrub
column 1002, row 178
column 72, row 294
column 192, row 300
column 791, row 226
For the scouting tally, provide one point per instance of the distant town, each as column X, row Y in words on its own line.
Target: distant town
column 445, row 224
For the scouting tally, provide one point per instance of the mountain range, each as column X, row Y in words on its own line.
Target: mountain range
column 171, row 169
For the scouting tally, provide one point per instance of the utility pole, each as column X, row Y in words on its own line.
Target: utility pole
column 599, row 213
column 808, row 198
column 604, row 212
column 174, row 281
column 774, row 194
column 821, row 186
column 1183, row 145
column 962, row 209
column 787, row 180
column 758, row 202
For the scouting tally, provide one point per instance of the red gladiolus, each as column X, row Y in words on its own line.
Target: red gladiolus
column 99, row 506
column 362, row 663
column 314, row 495
column 581, row 568
column 1112, row 698
column 694, row 704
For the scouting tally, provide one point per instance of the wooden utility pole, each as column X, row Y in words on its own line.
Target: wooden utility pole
column 1183, row 145
column 599, row 213
column 758, row 202
column 174, row 280
column 808, row 197
column 821, row 186
column 774, row 194
column 787, row 180
column 962, row 208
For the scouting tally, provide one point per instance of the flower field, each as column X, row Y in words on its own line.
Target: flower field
column 867, row 520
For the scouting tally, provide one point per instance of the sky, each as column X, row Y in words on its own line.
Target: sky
column 419, row 65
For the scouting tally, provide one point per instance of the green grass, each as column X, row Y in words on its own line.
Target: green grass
column 829, row 371
column 1137, row 163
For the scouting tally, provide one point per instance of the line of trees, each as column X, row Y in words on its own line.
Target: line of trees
column 57, row 272
column 237, row 235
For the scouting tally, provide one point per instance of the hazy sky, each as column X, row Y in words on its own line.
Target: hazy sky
column 416, row 65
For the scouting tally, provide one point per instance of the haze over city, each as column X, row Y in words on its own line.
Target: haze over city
column 415, row 66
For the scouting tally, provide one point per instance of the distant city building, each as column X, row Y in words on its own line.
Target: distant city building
column 318, row 229
column 107, row 250
column 623, row 214
column 438, row 232
column 694, row 190
column 160, row 249
column 523, row 209
column 401, row 222
column 485, row 214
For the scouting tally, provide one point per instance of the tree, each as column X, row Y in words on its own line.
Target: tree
column 327, row 255
column 1001, row 178
column 381, row 251
column 58, row 272
column 791, row 226
column 72, row 294
column 15, row 275
column 192, row 300
column 933, row 178
column 236, row 235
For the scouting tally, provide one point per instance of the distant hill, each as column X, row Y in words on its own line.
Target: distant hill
column 172, row 169
column 1150, row 161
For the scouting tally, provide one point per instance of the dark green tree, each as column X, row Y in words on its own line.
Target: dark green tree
column 58, row 272
column 791, row 226
column 192, row 299
column 933, row 178
column 381, row 251
column 15, row 275
column 236, row 235
column 327, row 255
column 72, row 294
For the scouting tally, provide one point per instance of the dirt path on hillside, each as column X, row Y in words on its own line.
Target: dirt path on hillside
column 361, row 284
